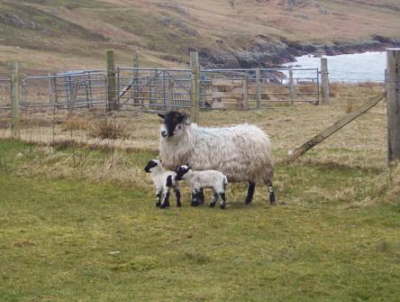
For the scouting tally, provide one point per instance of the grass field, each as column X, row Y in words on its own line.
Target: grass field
column 79, row 224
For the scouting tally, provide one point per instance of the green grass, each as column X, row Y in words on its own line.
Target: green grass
column 78, row 239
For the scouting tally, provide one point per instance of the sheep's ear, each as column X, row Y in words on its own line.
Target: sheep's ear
column 161, row 115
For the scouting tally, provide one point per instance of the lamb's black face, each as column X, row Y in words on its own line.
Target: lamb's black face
column 150, row 165
column 181, row 171
column 174, row 122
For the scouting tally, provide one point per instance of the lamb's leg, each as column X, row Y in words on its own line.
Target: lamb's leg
column 158, row 195
column 223, row 200
column 178, row 197
column 201, row 196
column 216, row 197
column 165, row 200
column 195, row 198
column 250, row 192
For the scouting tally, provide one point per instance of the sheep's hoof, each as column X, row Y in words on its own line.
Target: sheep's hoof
column 212, row 204
column 195, row 203
column 164, row 206
column 158, row 204
column 179, row 205
column 222, row 206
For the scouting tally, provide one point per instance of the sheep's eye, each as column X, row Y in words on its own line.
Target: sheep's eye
column 179, row 127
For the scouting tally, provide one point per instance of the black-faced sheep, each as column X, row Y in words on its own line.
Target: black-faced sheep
column 163, row 181
column 199, row 180
column 242, row 152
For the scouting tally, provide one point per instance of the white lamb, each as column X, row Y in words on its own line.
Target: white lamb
column 199, row 180
column 242, row 152
column 163, row 181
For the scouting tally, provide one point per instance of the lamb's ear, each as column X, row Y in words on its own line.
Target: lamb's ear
column 187, row 120
column 183, row 117
column 161, row 115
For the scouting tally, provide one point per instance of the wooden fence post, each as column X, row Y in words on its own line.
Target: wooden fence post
column 15, row 100
column 293, row 155
column 111, row 82
column 195, row 91
column 291, row 86
column 393, row 103
column 258, row 88
column 325, row 81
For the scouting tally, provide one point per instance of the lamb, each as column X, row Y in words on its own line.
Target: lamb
column 242, row 152
column 163, row 181
column 204, row 179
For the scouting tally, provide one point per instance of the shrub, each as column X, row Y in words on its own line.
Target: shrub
column 108, row 129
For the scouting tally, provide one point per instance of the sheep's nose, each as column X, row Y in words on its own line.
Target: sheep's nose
column 164, row 133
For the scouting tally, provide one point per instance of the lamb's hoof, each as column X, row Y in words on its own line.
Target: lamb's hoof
column 212, row 204
column 179, row 205
column 164, row 206
column 158, row 204
column 222, row 206
column 195, row 204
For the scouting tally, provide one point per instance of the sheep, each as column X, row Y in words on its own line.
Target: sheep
column 163, row 181
column 242, row 152
column 204, row 179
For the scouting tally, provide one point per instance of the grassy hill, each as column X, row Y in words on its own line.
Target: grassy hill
column 60, row 34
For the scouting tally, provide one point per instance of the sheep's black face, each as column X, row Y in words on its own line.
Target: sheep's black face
column 181, row 171
column 150, row 165
column 174, row 123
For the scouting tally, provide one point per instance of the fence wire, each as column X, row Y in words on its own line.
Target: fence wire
column 72, row 106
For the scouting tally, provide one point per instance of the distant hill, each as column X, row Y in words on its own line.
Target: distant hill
column 73, row 34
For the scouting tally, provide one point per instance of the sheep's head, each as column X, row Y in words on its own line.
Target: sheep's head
column 174, row 123
column 181, row 171
column 151, row 164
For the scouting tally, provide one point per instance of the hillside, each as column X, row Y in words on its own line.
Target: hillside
column 60, row 34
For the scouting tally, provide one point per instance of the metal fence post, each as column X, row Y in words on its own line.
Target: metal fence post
column 15, row 100
column 135, row 80
column 393, row 103
column 291, row 86
column 258, row 88
column 325, row 81
column 195, row 89
column 245, row 101
column 111, row 82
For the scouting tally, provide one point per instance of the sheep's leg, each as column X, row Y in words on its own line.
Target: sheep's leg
column 250, row 192
column 178, row 197
column 223, row 200
column 216, row 197
column 271, row 193
column 165, row 200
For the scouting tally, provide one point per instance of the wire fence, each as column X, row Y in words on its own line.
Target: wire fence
column 73, row 107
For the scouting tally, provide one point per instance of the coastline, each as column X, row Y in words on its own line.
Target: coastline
column 264, row 53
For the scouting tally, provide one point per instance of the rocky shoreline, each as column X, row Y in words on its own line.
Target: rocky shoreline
column 265, row 53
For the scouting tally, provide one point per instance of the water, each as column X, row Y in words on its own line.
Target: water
column 363, row 67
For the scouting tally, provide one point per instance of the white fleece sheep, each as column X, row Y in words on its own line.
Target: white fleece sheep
column 242, row 152
column 204, row 179
column 163, row 181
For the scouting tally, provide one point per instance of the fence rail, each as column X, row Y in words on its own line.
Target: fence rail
column 164, row 89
